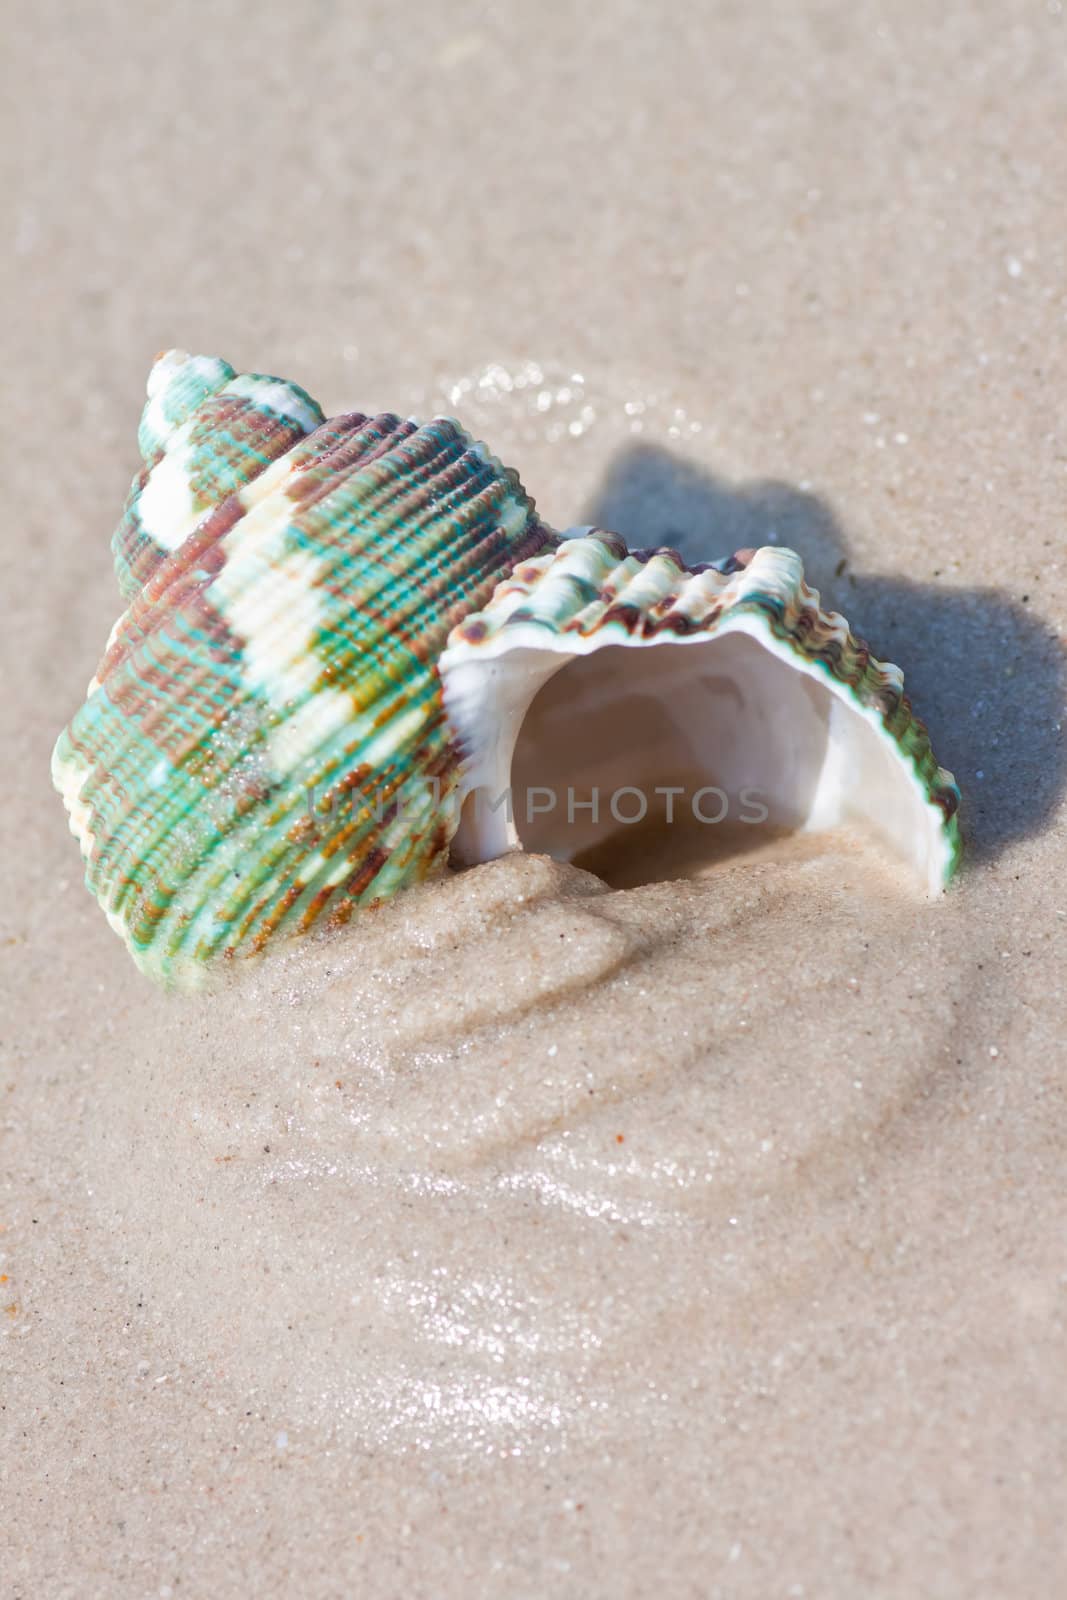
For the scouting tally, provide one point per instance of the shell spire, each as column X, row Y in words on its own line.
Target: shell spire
column 206, row 431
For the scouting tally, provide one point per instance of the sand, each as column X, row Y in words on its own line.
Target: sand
column 537, row 1236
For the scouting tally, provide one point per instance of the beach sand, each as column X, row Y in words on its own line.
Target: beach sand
column 534, row 1236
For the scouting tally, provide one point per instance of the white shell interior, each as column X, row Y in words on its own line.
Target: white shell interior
column 574, row 742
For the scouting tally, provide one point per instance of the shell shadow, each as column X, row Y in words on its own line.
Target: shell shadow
column 987, row 675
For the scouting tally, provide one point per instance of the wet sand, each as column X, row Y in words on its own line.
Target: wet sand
column 535, row 1235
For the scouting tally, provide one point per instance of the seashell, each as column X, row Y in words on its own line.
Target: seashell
column 291, row 583
column 753, row 694
column 351, row 644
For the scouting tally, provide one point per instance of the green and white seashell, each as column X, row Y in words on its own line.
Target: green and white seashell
column 351, row 644
column 291, row 584
column 597, row 673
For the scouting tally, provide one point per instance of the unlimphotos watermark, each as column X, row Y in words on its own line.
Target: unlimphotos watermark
column 626, row 805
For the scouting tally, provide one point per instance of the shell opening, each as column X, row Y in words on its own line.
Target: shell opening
column 643, row 764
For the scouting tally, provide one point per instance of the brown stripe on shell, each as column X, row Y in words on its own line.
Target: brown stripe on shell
column 277, row 914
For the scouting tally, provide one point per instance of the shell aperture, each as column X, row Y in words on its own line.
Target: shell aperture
column 680, row 681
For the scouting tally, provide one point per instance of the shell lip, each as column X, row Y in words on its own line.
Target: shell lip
column 532, row 616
